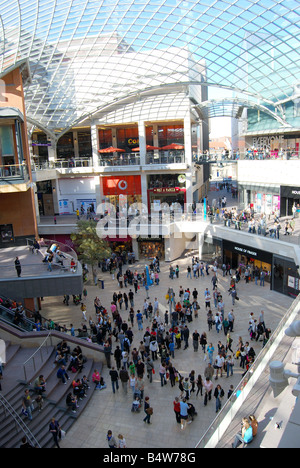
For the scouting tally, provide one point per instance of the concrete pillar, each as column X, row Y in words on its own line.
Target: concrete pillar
column 142, row 142
column 98, row 190
column 188, row 159
column 135, row 248
column 31, row 148
column 52, row 154
column 144, row 189
column 114, row 137
column 55, row 193
column 155, row 135
column 95, row 144
column 36, row 207
column 155, row 141
column 200, row 244
column 76, row 145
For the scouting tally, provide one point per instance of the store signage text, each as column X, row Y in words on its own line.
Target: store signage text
column 133, row 141
column 259, row 142
column 246, row 251
column 167, row 190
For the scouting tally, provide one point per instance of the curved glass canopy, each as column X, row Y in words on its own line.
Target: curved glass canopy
column 85, row 55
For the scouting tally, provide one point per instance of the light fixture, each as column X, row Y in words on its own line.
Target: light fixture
column 279, row 379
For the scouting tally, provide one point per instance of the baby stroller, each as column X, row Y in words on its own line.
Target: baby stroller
column 192, row 412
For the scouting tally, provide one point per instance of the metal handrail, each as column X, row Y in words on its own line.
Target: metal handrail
column 34, row 354
column 9, row 171
column 249, row 380
column 11, row 314
column 19, row 423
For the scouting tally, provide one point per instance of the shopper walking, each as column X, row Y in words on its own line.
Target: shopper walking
column 219, row 394
column 112, row 443
column 55, row 430
column 148, row 410
column 18, row 267
column 114, row 379
column 208, row 387
column 184, row 407
column 176, row 406
column 27, row 405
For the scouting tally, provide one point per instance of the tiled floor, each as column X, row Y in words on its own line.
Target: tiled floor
column 108, row 411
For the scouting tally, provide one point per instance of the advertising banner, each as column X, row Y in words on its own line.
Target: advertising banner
column 121, row 185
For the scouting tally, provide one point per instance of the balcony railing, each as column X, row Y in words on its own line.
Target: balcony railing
column 244, row 391
column 14, row 171
column 62, row 164
column 161, row 158
column 251, row 154
column 123, row 159
column 166, row 157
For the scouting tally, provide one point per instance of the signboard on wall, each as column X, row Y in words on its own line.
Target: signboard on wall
column 64, row 207
column 247, row 251
column 293, row 283
column 121, row 185
column 290, row 192
column 273, row 141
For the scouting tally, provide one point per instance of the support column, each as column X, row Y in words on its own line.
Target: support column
column 188, row 159
column 142, row 143
column 200, row 244
column 55, row 195
column 76, row 145
column 95, row 144
column 52, row 154
column 31, row 149
column 135, row 248
column 144, row 189
column 98, row 190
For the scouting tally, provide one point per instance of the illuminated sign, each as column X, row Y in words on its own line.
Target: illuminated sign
column 133, row 142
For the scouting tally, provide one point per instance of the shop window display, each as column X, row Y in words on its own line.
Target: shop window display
column 150, row 249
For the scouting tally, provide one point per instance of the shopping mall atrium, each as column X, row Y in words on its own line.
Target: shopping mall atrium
column 173, row 127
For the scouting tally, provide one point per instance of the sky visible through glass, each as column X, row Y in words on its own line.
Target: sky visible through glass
column 248, row 46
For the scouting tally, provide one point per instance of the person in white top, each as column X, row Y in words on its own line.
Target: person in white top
column 132, row 383
column 121, row 441
column 207, row 298
column 219, row 364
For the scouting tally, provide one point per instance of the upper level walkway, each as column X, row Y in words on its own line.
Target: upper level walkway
column 254, row 395
column 36, row 278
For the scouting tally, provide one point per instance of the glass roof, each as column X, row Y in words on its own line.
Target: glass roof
column 84, row 55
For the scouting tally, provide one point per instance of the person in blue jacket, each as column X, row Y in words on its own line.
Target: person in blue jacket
column 245, row 436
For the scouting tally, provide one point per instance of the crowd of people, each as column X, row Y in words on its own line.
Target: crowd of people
column 261, row 224
column 143, row 341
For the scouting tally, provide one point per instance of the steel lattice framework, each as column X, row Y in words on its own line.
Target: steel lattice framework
column 84, row 55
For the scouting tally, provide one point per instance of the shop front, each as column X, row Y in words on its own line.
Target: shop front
column 169, row 195
column 167, row 189
column 263, row 199
column 119, row 245
column 290, row 200
column 286, row 276
column 6, row 234
column 242, row 256
column 266, row 203
column 122, row 191
column 150, row 247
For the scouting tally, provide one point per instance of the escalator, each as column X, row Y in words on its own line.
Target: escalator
column 13, row 318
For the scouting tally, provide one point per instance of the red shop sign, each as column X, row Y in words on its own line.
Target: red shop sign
column 122, row 185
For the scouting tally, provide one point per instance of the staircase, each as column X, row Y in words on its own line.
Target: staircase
column 14, row 385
